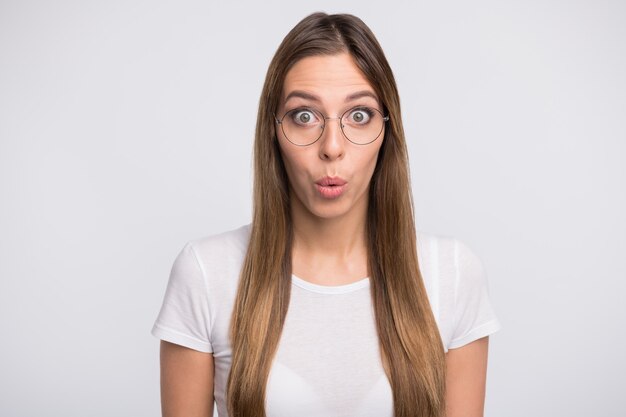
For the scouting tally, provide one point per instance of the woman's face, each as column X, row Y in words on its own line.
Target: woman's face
column 329, row 178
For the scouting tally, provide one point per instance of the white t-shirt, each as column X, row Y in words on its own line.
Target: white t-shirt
column 328, row 361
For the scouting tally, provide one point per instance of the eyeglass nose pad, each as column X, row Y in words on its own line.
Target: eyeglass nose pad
column 326, row 119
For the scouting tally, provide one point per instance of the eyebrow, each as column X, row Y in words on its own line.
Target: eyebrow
column 302, row 94
column 360, row 94
column 312, row 97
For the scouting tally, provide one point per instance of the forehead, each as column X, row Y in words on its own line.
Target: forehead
column 329, row 77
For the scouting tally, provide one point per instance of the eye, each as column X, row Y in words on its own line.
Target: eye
column 303, row 117
column 360, row 115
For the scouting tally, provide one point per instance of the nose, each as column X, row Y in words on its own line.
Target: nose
column 332, row 142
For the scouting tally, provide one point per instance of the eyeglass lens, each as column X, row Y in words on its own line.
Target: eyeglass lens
column 360, row 125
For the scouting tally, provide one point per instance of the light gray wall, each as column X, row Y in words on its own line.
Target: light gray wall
column 126, row 130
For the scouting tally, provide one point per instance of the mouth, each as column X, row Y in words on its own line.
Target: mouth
column 331, row 182
column 330, row 187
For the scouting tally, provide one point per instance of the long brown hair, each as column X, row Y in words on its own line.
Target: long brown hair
column 411, row 349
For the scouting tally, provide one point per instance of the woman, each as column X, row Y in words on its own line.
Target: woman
column 329, row 303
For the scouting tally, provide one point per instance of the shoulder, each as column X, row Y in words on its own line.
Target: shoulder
column 450, row 270
column 435, row 251
column 217, row 258
column 213, row 263
column 209, row 257
column 456, row 281
column 426, row 240
column 447, row 254
column 230, row 245
column 201, row 289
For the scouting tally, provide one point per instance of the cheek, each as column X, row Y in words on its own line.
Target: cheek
column 368, row 164
column 295, row 166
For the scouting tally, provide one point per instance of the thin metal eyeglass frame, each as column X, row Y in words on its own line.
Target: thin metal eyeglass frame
column 324, row 117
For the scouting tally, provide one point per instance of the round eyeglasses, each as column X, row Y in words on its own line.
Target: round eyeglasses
column 303, row 126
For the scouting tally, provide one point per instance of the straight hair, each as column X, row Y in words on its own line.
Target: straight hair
column 411, row 348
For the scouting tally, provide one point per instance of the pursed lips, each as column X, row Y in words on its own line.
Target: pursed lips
column 330, row 187
column 331, row 181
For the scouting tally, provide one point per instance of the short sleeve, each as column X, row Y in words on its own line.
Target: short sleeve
column 184, row 318
column 474, row 316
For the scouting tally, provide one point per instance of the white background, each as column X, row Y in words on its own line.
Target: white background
column 126, row 130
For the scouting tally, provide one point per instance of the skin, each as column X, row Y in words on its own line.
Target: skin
column 186, row 382
column 466, row 378
column 329, row 236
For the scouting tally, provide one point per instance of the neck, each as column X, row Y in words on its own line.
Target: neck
column 337, row 237
column 331, row 247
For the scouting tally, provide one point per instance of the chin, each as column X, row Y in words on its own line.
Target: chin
column 328, row 214
column 329, row 210
column 325, row 209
